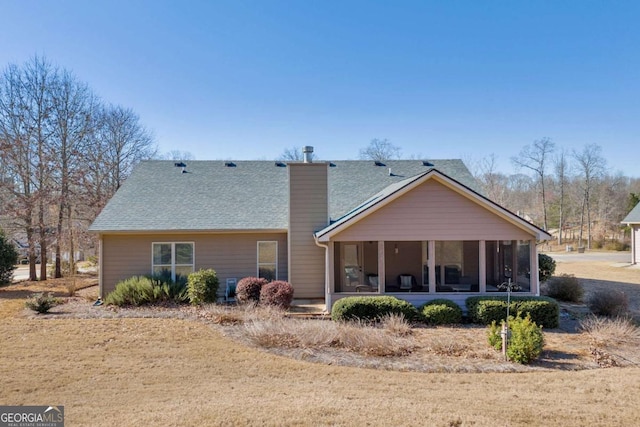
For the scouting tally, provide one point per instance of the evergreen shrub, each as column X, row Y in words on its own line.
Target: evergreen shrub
column 202, row 286
column 372, row 308
column 441, row 312
column 544, row 311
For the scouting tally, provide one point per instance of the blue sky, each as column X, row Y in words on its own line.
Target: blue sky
column 447, row 79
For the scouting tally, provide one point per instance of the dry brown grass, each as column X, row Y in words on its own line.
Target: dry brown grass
column 170, row 371
column 614, row 342
column 603, row 276
column 180, row 372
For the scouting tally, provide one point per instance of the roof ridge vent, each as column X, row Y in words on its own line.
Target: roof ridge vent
column 230, row 164
column 426, row 163
column 379, row 163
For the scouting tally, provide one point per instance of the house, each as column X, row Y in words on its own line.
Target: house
column 633, row 220
column 415, row 229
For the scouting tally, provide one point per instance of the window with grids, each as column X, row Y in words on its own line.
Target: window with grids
column 172, row 260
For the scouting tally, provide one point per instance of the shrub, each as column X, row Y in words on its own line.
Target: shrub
column 617, row 245
column 248, row 289
column 565, row 287
column 140, row 290
column 608, row 302
column 546, row 267
column 202, row 286
column 277, row 293
column 41, row 302
column 441, row 312
column 8, row 259
column 486, row 309
column 526, row 341
column 371, row 308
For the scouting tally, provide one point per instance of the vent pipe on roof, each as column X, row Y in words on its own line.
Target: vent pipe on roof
column 307, row 154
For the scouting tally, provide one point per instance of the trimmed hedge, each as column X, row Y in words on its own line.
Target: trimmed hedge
column 248, row 290
column 441, row 312
column 544, row 311
column 372, row 308
column 277, row 293
column 202, row 286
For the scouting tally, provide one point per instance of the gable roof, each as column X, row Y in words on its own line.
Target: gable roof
column 245, row 195
column 633, row 217
column 395, row 190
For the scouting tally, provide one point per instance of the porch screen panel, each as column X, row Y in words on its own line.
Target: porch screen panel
column 500, row 263
column 523, row 271
column 457, row 266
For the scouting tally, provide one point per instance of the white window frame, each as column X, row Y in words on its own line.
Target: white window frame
column 259, row 264
column 173, row 264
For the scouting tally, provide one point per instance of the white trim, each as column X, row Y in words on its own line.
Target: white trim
column 100, row 267
column 258, row 263
column 173, row 264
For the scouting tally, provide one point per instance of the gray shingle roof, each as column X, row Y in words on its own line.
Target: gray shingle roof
column 251, row 195
column 633, row 217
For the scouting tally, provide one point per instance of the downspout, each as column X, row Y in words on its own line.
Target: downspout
column 327, row 292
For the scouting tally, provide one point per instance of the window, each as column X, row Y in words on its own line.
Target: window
column 268, row 260
column 172, row 260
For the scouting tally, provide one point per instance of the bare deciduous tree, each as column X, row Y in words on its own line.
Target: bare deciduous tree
column 562, row 172
column 590, row 164
column 125, row 142
column 380, row 150
column 535, row 157
column 62, row 156
column 73, row 104
column 177, row 155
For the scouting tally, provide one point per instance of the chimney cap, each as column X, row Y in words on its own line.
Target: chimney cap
column 307, row 154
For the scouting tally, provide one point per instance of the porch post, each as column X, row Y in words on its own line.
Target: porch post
column 483, row 266
column 331, row 272
column 534, row 275
column 381, row 270
column 431, row 262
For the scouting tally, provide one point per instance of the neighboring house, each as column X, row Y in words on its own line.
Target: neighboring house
column 633, row 221
column 415, row 229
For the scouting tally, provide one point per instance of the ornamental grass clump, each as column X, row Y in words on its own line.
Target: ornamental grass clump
column 141, row 290
column 248, row 290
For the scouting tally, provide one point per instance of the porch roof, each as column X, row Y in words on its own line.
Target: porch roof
column 397, row 189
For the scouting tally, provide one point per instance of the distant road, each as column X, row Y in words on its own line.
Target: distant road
column 22, row 272
column 614, row 257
